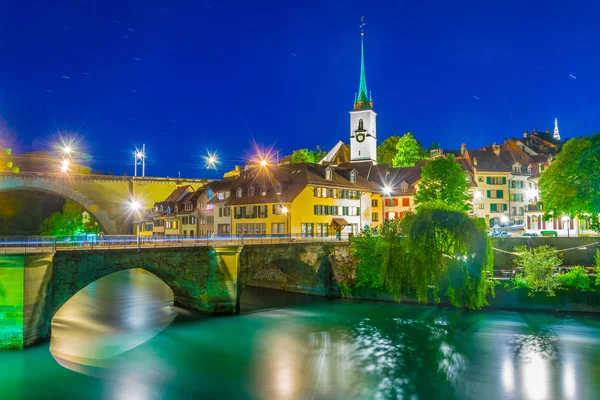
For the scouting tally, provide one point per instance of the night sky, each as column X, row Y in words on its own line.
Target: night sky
column 187, row 76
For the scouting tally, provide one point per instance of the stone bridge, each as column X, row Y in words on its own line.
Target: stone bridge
column 104, row 197
column 33, row 287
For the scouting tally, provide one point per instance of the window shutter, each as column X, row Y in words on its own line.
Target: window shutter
column 504, row 207
column 488, row 180
column 500, row 194
column 489, row 194
column 357, row 210
column 395, row 202
column 492, row 207
column 387, row 215
column 504, row 180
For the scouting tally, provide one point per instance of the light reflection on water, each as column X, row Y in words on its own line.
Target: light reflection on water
column 309, row 348
column 109, row 317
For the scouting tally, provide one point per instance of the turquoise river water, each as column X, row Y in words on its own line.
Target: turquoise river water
column 121, row 338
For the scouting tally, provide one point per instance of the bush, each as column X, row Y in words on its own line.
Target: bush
column 576, row 279
column 597, row 259
column 538, row 265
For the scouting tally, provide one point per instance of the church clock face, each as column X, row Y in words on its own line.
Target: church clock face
column 360, row 137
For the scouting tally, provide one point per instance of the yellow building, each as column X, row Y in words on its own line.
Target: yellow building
column 300, row 199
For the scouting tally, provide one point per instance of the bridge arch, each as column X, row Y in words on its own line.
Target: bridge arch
column 44, row 185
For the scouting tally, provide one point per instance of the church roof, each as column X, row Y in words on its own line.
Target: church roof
column 363, row 101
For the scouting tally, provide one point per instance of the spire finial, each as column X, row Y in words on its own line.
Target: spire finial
column 363, row 98
column 556, row 131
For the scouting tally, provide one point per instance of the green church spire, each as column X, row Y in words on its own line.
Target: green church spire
column 363, row 101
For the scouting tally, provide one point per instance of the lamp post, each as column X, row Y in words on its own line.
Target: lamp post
column 287, row 213
column 134, row 206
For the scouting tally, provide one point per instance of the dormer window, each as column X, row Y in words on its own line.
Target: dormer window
column 176, row 209
column 188, row 206
column 404, row 188
column 239, row 193
column 328, row 173
column 263, row 190
column 209, row 194
column 251, row 191
column 529, row 169
column 155, row 208
column 168, row 210
column 516, row 169
column 278, row 188
column 221, row 195
column 161, row 207
column 353, row 176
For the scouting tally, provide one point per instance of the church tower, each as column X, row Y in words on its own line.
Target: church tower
column 556, row 131
column 363, row 125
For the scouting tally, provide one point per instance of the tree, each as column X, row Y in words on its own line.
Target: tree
column 538, row 265
column 69, row 222
column 408, row 151
column 571, row 184
column 308, row 156
column 387, row 150
column 443, row 180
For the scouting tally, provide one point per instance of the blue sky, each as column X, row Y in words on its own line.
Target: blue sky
column 185, row 77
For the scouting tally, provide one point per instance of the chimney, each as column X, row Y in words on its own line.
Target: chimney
column 475, row 161
column 534, row 130
column 463, row 149
column 548, row 131
column 505, row 140
column 525, row 134
column 496, row 149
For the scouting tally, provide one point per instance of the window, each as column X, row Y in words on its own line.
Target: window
column 374, row 203
column 480, row 179
column 191, row 233
column 239, row 193
column 223, row 229
column 184, row 233
column 360, row 125
column 161, row 207
column 481, row 206
column 404, row 188
column 375, row 217
column 202, row 221
column 227, row 212
column 353, row 176
column 263, row 190
column 188, row 206
column 277, row 228
column 202, row 206
column 328, row 173
column 210, row 220
column 322, row 230
column 307, row 229
column 324, row 192
column 221, row 196
column 518, row 156
column 176, row 209
column 278, row 188
column 184, row 220
column 406, row 202
column 209, row 194
column 277, row 209
column 251, row 191
column 529, row 169
column 168, row 210
column 498, row 207
column 496, row 180
column 495, row 194
column 516, row 169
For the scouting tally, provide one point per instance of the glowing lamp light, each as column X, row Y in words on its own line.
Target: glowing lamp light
column 387, row 190
column 284, row 209
column 67, row 150
column 64, row 167
column 504, row 219
column 134, row 205
column 263, row 163
column 477, row 195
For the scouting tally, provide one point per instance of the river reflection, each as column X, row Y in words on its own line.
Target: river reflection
column 287, row 346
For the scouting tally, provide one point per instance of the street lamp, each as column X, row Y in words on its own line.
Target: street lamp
column 67, row 150
column 504, row 219
column 387, row 191
column 141, row 156
column 263, row 163
column 285, row 210
column 135, row 207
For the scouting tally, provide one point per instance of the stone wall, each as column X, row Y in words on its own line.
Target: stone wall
column 583, row 256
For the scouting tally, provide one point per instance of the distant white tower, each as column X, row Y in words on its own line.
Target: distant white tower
column 556, row 131
column 363, row 126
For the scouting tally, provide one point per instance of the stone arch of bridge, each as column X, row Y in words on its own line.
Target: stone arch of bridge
column 297, row 268
column 106, row 224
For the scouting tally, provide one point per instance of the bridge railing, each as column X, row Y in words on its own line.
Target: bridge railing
column 27, row 244
column 16, row 244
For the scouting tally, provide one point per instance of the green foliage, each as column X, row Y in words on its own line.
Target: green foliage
column 571, row 184
column 308, row 156
column 69, row 222
column 538, row 265
column 576, row 279
column 597, row 260
column 386, row 151
column 22, row 211
column 443, row 180
column 408, row 151
column 436, row 249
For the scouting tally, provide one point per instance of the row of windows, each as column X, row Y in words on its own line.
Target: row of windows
column 337, row 210
column 516, row 184
column 251, row 229
column 251, row 211
column 262, row 190
column 394, row 202
column 517, row 197
column 309, row 229
column 495, row 194
column 337, row 193
column 224, row 211
column 188, row 220
column 171, row 224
